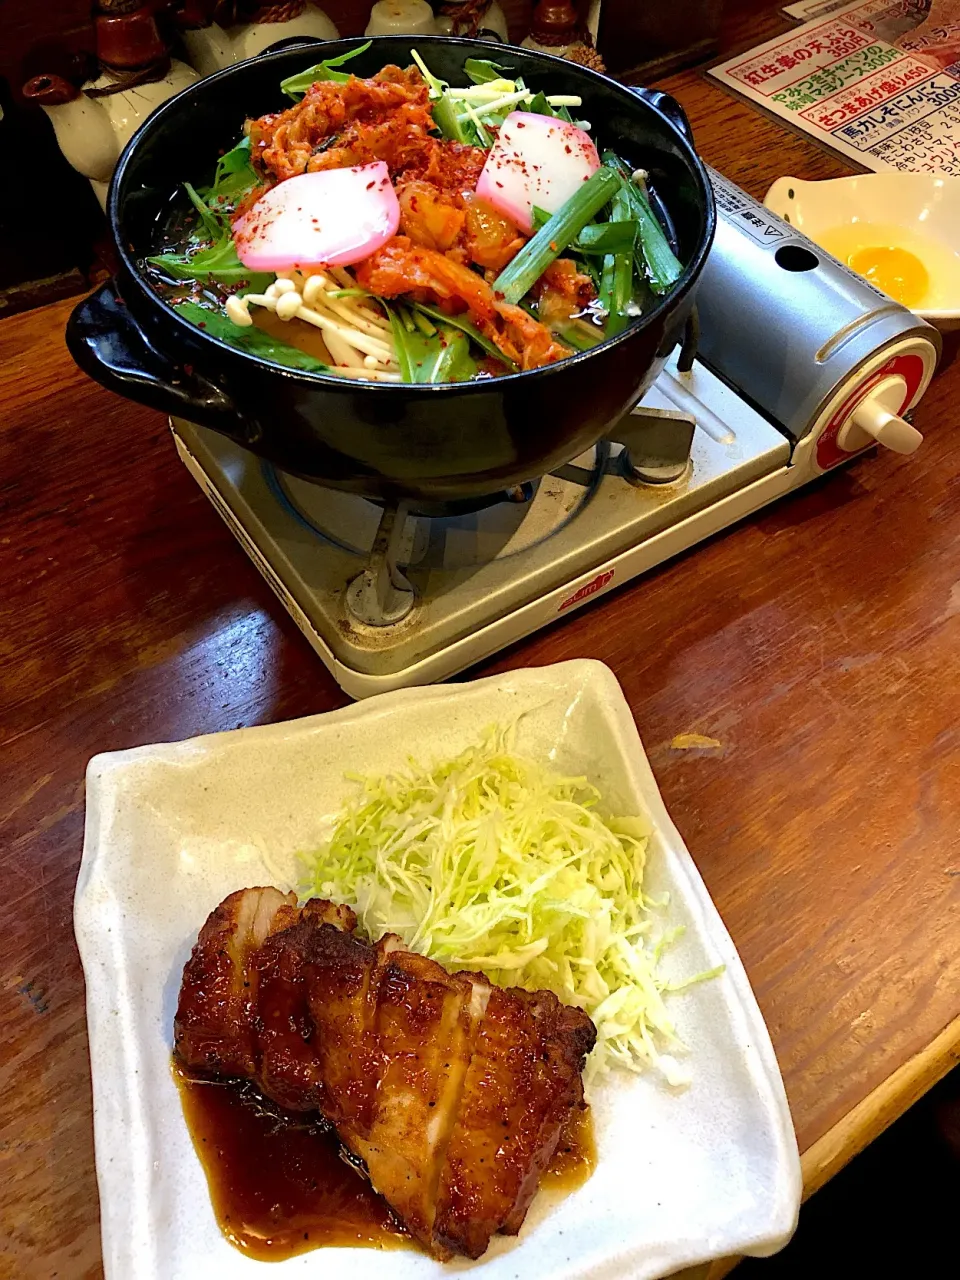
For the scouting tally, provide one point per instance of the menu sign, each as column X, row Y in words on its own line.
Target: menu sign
column 879, row 81
column 808, row 9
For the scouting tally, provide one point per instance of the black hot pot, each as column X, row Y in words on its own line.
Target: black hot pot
column 432, row 444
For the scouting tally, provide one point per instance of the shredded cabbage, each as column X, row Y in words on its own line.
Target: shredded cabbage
column 491, row 861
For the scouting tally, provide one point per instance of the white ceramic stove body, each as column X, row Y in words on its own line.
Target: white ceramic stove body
column 484, row 580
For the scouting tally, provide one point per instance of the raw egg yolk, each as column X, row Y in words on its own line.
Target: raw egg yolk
column 898, row 272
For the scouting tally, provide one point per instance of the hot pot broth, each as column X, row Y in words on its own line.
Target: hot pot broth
column 454, row 290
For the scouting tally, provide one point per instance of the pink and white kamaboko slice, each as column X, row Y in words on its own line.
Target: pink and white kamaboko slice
column 332, row 218
column 536, row 160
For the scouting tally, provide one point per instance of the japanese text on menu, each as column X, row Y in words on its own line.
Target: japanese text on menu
column 879, row 81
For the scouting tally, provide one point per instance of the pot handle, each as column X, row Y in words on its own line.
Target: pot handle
column 109, row 346
column 667, row 106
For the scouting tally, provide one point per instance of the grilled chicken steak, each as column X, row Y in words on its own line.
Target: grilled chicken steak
column 452, row 1092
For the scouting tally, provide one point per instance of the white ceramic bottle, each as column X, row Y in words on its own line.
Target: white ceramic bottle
column 554, row 29
column 493, row 20
column 211, row 47
column 401, row 18
column 93, row 123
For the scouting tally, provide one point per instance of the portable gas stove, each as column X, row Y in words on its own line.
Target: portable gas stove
column 818, row 367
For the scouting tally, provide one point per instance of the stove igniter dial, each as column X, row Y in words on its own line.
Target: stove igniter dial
column 877, row 417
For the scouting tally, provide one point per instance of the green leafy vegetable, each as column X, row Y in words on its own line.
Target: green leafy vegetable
column 493, row 862
column 660, row 262
column 481, row 71
column 296, row 86
column 444, row 356
column 399, row 331
column 470, row 117
column 579, row 334
column 446, row 117
column 590, row 268
column 436, row 85
column 463, row 113
column 208, row 220
column 232, row 162
column 492, row 111
column 616, row 277
column 473, row 333
column 541, row 107
column 597, row 237
column 248, row 338
column 440, row 356
column 235, row 177
column 423, row 323
column 607, row 237
column 218, row 263
column 552, row 238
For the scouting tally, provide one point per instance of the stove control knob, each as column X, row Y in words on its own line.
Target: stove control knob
column 877, row 418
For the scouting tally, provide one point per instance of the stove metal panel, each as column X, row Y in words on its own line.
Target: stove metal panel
column 471, row 570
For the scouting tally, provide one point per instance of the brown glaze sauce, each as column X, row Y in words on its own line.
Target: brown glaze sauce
column 280, row 1184
column 306, row 337
column 576, row 1156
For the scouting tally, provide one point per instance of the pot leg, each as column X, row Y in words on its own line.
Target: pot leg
column 381, row 595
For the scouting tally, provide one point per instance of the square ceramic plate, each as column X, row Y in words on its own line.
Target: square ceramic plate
column 682, row 1175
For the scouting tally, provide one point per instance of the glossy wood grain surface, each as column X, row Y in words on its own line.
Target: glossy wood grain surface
column 819, row 643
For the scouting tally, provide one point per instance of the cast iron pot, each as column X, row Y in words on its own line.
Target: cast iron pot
column 431, row 444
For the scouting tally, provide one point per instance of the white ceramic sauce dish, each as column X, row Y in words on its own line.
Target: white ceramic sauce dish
column 683, row 1175
column 899, row 230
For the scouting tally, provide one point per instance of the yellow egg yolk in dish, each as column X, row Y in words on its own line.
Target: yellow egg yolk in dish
column 896, row 271
column 916, row 270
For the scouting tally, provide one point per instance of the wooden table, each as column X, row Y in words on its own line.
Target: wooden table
column 819, row 643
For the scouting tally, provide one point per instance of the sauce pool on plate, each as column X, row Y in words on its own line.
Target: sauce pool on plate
column 576, row 1156
column 280, row 1183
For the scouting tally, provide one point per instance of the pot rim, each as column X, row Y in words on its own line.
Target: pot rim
column 329, row 380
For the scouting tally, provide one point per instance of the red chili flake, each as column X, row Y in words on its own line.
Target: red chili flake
column 370, row 185
column 521, row 124
column 499, row 184
column 567, row 149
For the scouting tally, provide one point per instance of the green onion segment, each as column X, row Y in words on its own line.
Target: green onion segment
column 554, row 236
